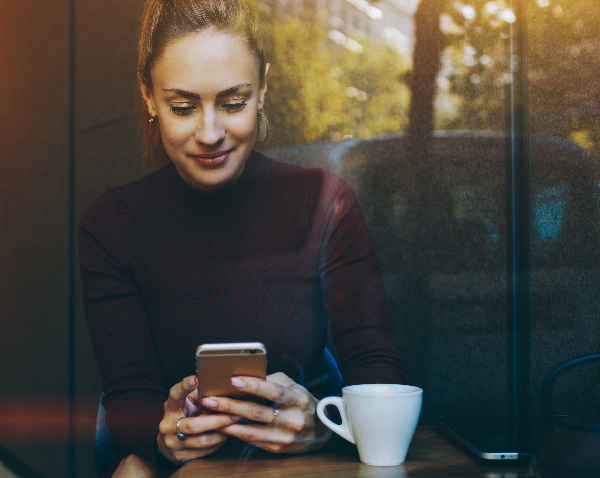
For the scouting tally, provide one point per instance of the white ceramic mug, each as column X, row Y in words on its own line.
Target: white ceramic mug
column 379, row 418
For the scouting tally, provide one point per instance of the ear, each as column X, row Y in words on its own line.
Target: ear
column 263, row 88
column 148, row 99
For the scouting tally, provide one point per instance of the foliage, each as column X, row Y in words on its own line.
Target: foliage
column 563, row 58
column 305, row 100
column 321, row 91
column 477, row 59
column 379, row 72
column 564, row 63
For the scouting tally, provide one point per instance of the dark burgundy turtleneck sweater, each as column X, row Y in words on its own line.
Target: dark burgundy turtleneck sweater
column 271, row 259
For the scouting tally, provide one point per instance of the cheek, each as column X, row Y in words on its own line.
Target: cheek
column 175, row 133
column 245, row 127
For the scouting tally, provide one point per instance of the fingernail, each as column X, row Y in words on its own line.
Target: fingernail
column 209, row 403
column 192, row 381
column 235, row 418
column 238, row 383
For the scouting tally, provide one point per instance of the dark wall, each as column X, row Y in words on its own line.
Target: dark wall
column 34, row 87
column 108, row 153
column 34, row 207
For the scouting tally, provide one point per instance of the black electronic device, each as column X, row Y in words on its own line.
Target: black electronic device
column 499, row 438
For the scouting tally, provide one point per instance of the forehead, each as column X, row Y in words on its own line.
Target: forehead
column 205, row 59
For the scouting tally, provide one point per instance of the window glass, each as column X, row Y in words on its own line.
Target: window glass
column 563, row 114
column 549, row 212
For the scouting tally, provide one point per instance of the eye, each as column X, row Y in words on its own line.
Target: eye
column 234, row 106
column 182, row 110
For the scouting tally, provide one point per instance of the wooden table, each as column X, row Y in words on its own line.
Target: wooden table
column 431, row 454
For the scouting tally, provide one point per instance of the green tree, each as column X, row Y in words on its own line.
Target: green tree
column 564, row 61
column 319, row 90
column 563, row 58
column 477, row 34
column 305, row 100
column 381, row 96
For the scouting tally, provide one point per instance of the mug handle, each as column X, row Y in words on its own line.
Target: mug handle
column 342, row 430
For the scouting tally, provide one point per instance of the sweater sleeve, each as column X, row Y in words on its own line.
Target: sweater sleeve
column 134, row 388
column 354, row 294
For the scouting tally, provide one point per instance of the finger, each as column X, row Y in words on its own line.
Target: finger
column 193, row 396
column 179, row 392
column 273, row 439
column 286, row 396
column 298, row 395
column 281, row 378
column 190, row 408
column 292, row 419
column 188, row 454
column 204, row 440
column 205, row 423
column 241, row 408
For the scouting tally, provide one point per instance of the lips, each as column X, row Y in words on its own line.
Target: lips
column 212, row 159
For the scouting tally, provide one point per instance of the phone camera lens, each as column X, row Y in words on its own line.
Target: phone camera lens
column 252, row 351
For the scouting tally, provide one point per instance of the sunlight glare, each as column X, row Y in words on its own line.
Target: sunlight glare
column 470, row 50
column 367, row 8
column 469, row 61
column 507, row 15
column 492, row 8
column 468, row 12
column 345, row 41
column 486, row 60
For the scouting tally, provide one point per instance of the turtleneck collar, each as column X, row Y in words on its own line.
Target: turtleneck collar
column 224, row 202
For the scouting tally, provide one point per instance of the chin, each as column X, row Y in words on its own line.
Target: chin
column 208, row 184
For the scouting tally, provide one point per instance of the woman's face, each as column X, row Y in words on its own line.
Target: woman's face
column 206, row 95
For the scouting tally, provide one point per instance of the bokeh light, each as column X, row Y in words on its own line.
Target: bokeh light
column 492, row 8
column 468, row 12
column 507, row 15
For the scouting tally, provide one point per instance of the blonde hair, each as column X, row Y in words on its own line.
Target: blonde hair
column 166, row 20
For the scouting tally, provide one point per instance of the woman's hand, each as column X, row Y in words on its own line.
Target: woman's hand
column 289, row 426
column 200, row 432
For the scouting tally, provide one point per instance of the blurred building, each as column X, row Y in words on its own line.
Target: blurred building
column 389, row 21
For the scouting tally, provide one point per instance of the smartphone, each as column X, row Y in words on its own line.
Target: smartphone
column 217, row 363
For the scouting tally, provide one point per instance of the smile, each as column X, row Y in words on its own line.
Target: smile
column 213, row 159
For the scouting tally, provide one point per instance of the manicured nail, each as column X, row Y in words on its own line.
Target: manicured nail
column 209, row 403
column 236, row 418
column 238, row 383
column 192, row 381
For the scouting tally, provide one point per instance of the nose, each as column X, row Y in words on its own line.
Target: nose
column 209, row 130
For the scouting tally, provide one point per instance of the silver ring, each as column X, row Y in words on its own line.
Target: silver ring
column 180, row 435
column 275, row 413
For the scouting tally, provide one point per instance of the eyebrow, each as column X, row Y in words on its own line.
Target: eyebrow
column 196, row 96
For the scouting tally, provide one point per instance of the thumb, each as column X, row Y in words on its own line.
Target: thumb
column 179, row 393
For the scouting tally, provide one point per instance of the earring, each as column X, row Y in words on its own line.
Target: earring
column 151, row 120
column 261, row 114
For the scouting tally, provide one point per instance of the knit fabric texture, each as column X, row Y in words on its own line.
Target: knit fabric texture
column 273, row 258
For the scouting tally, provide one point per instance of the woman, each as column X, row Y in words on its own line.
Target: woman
column 222, row 245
